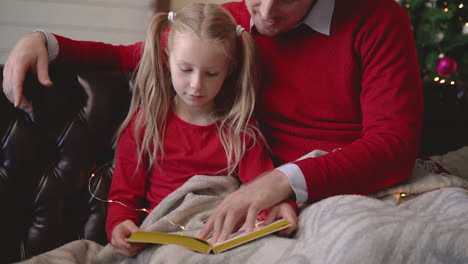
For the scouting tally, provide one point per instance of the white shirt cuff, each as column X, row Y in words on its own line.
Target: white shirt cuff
column 52, row 45
column 297, row 181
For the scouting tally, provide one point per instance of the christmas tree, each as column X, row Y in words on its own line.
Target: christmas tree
column 441, row 32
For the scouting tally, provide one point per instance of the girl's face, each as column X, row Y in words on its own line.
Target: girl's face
column 198, row 70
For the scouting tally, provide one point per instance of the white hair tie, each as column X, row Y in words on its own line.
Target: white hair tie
column 239, row 30
column 170, row 16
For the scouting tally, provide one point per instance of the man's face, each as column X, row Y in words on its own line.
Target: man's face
column 272, row 17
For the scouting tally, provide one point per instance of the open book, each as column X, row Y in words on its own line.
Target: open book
column 204, row 246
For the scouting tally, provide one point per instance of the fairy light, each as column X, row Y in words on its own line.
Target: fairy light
column 436, row 79
column 181, row 227
column 407, row 5
column 446, row 10
column 442, row 81
column 452, row 82
column 403, row 194
column 109, row 200
column 460, row 6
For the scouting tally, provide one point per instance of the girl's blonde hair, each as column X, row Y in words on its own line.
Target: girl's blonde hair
column 152, row 91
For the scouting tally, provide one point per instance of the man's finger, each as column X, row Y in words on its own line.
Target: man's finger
column 228, row 226
column 15, row 87
column 271, row 216
column 43, row 71
column 217, row 226
column 25, row 105
column 207, row 229
column 250, row 219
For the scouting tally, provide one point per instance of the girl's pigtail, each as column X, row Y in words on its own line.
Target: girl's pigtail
column 248, row 74
column 236, row 128
column 249, row 83
column 151, row 94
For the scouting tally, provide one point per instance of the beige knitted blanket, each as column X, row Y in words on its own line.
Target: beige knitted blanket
column 429, row 224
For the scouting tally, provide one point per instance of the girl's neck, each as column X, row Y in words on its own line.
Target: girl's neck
column 200, row 116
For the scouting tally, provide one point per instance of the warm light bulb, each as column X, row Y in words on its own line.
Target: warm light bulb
column 403, row 194
column 460, row 6
column 436, row 79
column 441, row 55
column 407, row 6
column 92, row 175
column 445, row 9
column 452, row 82
column 442, row 81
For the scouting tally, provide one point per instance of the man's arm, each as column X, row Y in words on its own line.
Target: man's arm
column 391, row 101
column 30, row 55
column 90, row 55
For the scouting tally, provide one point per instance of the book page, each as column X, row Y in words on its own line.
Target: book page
column 259, row 231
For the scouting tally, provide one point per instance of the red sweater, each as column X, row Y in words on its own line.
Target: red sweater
column 189, row 150
column 357, row 90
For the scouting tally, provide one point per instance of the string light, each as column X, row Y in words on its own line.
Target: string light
column 452, row 82
column 436, row 79
column 403, row 194
column 109, row 200
column 181, row 227
column 460, row 6
column 446, row 10
column 442, row 81
column 407, row 5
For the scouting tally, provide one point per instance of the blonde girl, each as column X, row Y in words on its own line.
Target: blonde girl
column 191, row 114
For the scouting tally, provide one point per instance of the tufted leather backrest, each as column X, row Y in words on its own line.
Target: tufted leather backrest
column 47, row 158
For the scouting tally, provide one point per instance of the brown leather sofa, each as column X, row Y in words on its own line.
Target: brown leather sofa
column 47, row 157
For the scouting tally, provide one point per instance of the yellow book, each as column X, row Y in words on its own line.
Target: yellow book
column 204, row 246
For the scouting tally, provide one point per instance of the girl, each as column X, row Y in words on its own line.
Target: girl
column 203, row 128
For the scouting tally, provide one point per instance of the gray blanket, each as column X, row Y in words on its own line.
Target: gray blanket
column 422, row 220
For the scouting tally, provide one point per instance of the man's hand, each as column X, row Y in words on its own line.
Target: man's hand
column 245, row 204
column 29, row 54
column 119, row 234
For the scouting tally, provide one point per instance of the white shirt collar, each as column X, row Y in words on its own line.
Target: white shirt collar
column 319, row 17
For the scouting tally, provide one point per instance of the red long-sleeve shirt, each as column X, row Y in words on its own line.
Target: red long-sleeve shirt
column 357, row 90
column 188, row 150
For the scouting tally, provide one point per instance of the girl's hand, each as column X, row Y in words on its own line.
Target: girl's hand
column 282, row 210
column 119, row 234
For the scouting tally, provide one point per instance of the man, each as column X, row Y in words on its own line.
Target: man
column 338, row 76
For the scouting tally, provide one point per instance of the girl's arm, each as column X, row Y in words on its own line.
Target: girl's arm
column 128, row 183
